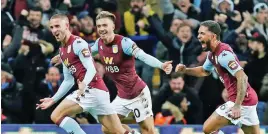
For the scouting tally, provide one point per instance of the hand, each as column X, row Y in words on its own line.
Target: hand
column 167, row 67
column 180, row 68
column 238, row 17
column 46, row 103
column 68, row 2
column 235, row 112
column 56, row 60
column 146, row 10
column 82, row 87
column 141, row 24
column 24, row 49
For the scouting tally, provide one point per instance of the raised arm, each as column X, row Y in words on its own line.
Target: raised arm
column 130, row 48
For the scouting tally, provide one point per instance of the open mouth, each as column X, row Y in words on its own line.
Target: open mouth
column 103, row 33
column 57, row 35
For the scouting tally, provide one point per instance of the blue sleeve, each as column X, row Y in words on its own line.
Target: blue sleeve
column 127, row 46
column 65, row 86
column 82, row 50
column 208, row 66
column 94, row 46
column 130, row 48
column 228, row 61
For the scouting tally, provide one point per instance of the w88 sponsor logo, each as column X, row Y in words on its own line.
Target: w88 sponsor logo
column 112, row 69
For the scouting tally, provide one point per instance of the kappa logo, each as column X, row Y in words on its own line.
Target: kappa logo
column 108, row 60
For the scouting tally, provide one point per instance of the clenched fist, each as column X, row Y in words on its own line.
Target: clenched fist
column 180, row 68
column 167, row 67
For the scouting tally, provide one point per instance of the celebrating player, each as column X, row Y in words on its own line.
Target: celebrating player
column 118, row 54
column 241, row 107
column 92, row 96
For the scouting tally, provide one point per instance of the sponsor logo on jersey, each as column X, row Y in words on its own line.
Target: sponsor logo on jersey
column 115, row 49
column 232, row 65
column 86, row 52
column 66, row 62
column 108, row 60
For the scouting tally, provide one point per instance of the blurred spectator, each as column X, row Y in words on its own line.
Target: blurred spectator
column 264, row 89
column 110, row 6
column 177, row 85
column 7, row 24
column 47, row 88
column 87, row 29
column 11, row 97
column 48, row 11
column 137, row 28
column 173, row 110
column 188, row 11
column 257, row 66
column 69, row 6
column 261, row 15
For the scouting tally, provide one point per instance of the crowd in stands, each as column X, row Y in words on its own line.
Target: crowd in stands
column 165, row 29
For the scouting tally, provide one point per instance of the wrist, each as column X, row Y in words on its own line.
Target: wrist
column 237, row 105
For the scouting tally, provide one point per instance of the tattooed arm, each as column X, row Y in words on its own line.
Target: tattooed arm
column 228, row 61
column 242, row 80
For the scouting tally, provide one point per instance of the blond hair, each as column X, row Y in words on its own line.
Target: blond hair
column 60, row 16
column 106, row 14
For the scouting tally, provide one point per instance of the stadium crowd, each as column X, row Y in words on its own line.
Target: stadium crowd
column 166, row 29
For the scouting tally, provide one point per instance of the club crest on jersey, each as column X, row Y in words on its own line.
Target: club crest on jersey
column 69, row 49
column 232, row 65
column 115, row 49
column 86, row 52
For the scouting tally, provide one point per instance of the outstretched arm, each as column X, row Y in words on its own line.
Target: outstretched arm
column 65, row 86
column 199, row 71
column 130, row 48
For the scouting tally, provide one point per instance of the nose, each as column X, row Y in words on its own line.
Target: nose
column 199, row 37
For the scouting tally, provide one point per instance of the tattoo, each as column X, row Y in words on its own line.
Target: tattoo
column 241, row 89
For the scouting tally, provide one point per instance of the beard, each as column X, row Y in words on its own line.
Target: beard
column 136, row 10
column 208, row 44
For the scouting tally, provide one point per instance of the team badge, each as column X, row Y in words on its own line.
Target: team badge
column 69, row 49
column 86, row 52
column 101, row 48
column 115, row 49
column 232, row 65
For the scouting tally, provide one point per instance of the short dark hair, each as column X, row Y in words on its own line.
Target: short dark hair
column 175, row 75
column 36, row 9
column 213, row 27
column 106, row 14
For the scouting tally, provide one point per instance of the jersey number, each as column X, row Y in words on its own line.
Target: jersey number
column 72, row 69
column 112, row 69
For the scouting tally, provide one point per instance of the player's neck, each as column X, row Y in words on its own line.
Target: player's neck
column 110, row 39
column 67, row 37
column 214, row 45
